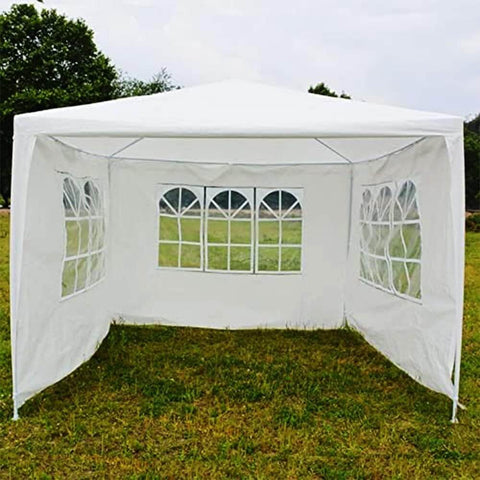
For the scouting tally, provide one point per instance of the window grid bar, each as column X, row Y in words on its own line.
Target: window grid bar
column 253, row 228
column 229, row 234
column 184, row 242
column 225, row 245
column 387, row 222
column 169, row 215
column 179, row 227
column 395, row 259
column 83, row 255
column 84, row 217
column 276, row 245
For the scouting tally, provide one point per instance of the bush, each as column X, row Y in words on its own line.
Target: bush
column 472, row 222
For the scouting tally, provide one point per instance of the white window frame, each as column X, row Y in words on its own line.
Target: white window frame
column 80, row 184
column 248, row 193
column 254, row 196
column 395, row 187
column 261, row 194
column 199, row 193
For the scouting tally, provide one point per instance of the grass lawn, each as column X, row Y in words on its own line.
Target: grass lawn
column 158, row 402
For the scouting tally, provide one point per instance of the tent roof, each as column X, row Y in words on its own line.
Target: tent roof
column 237, row 109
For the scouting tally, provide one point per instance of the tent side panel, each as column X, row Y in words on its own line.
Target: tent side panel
column 417, row 334
column 52, row 336
column 148, row 294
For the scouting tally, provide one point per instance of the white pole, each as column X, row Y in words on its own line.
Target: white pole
column 456, row 374
column 15, row 410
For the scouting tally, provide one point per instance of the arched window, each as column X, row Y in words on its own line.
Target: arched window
column 390, row 238
column 229, row 230
column 180, row 229
column 84, row 263
column 279, row 231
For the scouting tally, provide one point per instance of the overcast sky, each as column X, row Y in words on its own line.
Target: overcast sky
column 422, row 54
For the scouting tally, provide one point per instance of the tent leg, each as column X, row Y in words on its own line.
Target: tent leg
column 456, row 380
column 454, row 411
column 15, row 412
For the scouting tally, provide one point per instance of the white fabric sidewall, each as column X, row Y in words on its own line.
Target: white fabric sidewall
column 53, row 336
column 419, row 338
column 148, row 294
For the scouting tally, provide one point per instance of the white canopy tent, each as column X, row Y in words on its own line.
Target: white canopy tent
column 237, row 205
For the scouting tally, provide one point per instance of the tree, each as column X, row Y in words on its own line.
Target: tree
column 323, row 89
column 472, row 163
column 46, row 61
column 130, row 87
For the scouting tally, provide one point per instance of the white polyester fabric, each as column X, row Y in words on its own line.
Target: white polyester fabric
column 233, row 134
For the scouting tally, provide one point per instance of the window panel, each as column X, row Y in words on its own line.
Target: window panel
column 365, row 269
column 68, row 277
column 190, row 228
column 292, row 232
column 412, row 239
column 82, row 266
column 168, row 254
column 212, row 228
column 71, row 197
column 291, row 259
column 97, row 230
column 390, row 238
column 190, row 256
column 95, row 268
column 84, row 226
column 218, row 231
column 382, row 272
column 400, row 276
column 396, row 246
column 268, row 259
column 180, row 227
column 84, row 234
column 269, row 232
column 73, row 237
column 217, row 258
column 240, row 258
column 279, row 224
column 414, row 270
column 240, row 232
column 229, row 223
column 168, row 228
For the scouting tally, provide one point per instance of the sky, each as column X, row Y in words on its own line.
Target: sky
column 422, row 54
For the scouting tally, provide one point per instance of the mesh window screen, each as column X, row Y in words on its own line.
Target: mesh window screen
column 390, row 238
column 84, row 260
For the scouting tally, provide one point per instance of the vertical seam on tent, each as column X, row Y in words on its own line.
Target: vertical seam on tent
column 349, row 231
column 349, row 236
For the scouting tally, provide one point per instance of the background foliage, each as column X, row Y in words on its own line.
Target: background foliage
column 49, row 61
column 472, row 163
column 323, row 89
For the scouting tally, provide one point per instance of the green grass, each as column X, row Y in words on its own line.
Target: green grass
column 160, row 402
